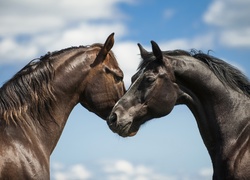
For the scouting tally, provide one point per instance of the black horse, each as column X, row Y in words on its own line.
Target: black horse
column 217, row 94
column 36, row 102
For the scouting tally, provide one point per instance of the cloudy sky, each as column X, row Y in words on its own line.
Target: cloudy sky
column 168, row 148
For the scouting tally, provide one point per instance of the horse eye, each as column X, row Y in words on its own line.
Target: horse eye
column 150, row 79
column 118, row 78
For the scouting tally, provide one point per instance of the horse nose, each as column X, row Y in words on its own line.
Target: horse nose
column 112, row 119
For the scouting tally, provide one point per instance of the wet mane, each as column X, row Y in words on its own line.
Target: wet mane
column 225, row 72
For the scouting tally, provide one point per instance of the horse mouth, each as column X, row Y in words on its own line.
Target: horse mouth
column 127, row 130
column 132, row 133
column 126, row 133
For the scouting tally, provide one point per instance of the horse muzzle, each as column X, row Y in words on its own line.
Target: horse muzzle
column 123, row 127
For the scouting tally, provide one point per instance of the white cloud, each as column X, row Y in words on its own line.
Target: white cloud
column 213, row 11
column 51, row 25
column 206, row 172
column 55, row 30
column 198, row 42
column 125, row 170
column 236, row 38
column 228, row 13
column 121, row 170
column 77, row 171
column 232, row 21
column 121, row 166
column 12, row 51
column 83, row 34
column 12, row 25
column 128, row 56
column 27, row 16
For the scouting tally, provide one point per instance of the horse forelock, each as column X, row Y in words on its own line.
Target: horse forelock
column 149, row 57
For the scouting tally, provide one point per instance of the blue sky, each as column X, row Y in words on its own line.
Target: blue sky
column 168, row 148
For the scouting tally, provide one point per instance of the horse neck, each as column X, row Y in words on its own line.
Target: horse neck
column 68, row 82
column 216, row 107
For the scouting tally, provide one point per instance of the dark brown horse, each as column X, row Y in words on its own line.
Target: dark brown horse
column 217, row 94
column 36, row 102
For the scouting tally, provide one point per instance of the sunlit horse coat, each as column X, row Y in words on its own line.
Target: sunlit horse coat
column 36, row 102
column 217, row 94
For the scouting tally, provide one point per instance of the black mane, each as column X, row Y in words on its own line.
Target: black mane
column 225, row 72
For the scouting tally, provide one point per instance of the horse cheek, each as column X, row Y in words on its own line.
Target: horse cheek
column 168, row 98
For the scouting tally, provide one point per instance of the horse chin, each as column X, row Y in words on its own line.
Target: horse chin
column 132, row 134
column 132, row 131
column 127, row 132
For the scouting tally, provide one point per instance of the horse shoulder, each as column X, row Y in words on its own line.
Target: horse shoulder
column 18, row 161
column 239, row 156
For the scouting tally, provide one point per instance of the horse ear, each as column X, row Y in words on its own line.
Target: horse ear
column 143, row 52
column 109, row 43
column 104, row 50
column 156, row 51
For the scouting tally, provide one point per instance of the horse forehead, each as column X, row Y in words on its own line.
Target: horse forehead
column 137, row 78
column 111, row 62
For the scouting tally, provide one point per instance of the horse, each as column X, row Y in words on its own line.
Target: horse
column 217, row 94
column 36, row 102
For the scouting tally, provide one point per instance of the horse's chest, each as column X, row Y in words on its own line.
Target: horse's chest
column 19, row 162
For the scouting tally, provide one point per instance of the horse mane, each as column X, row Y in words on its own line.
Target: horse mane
column 225, row 72
column 29, row 94
column 56, row 53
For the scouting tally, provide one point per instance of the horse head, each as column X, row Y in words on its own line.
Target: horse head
column 153, row 94
column 103, row 84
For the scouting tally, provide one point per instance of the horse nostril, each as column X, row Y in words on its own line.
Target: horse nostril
column 112, row 118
